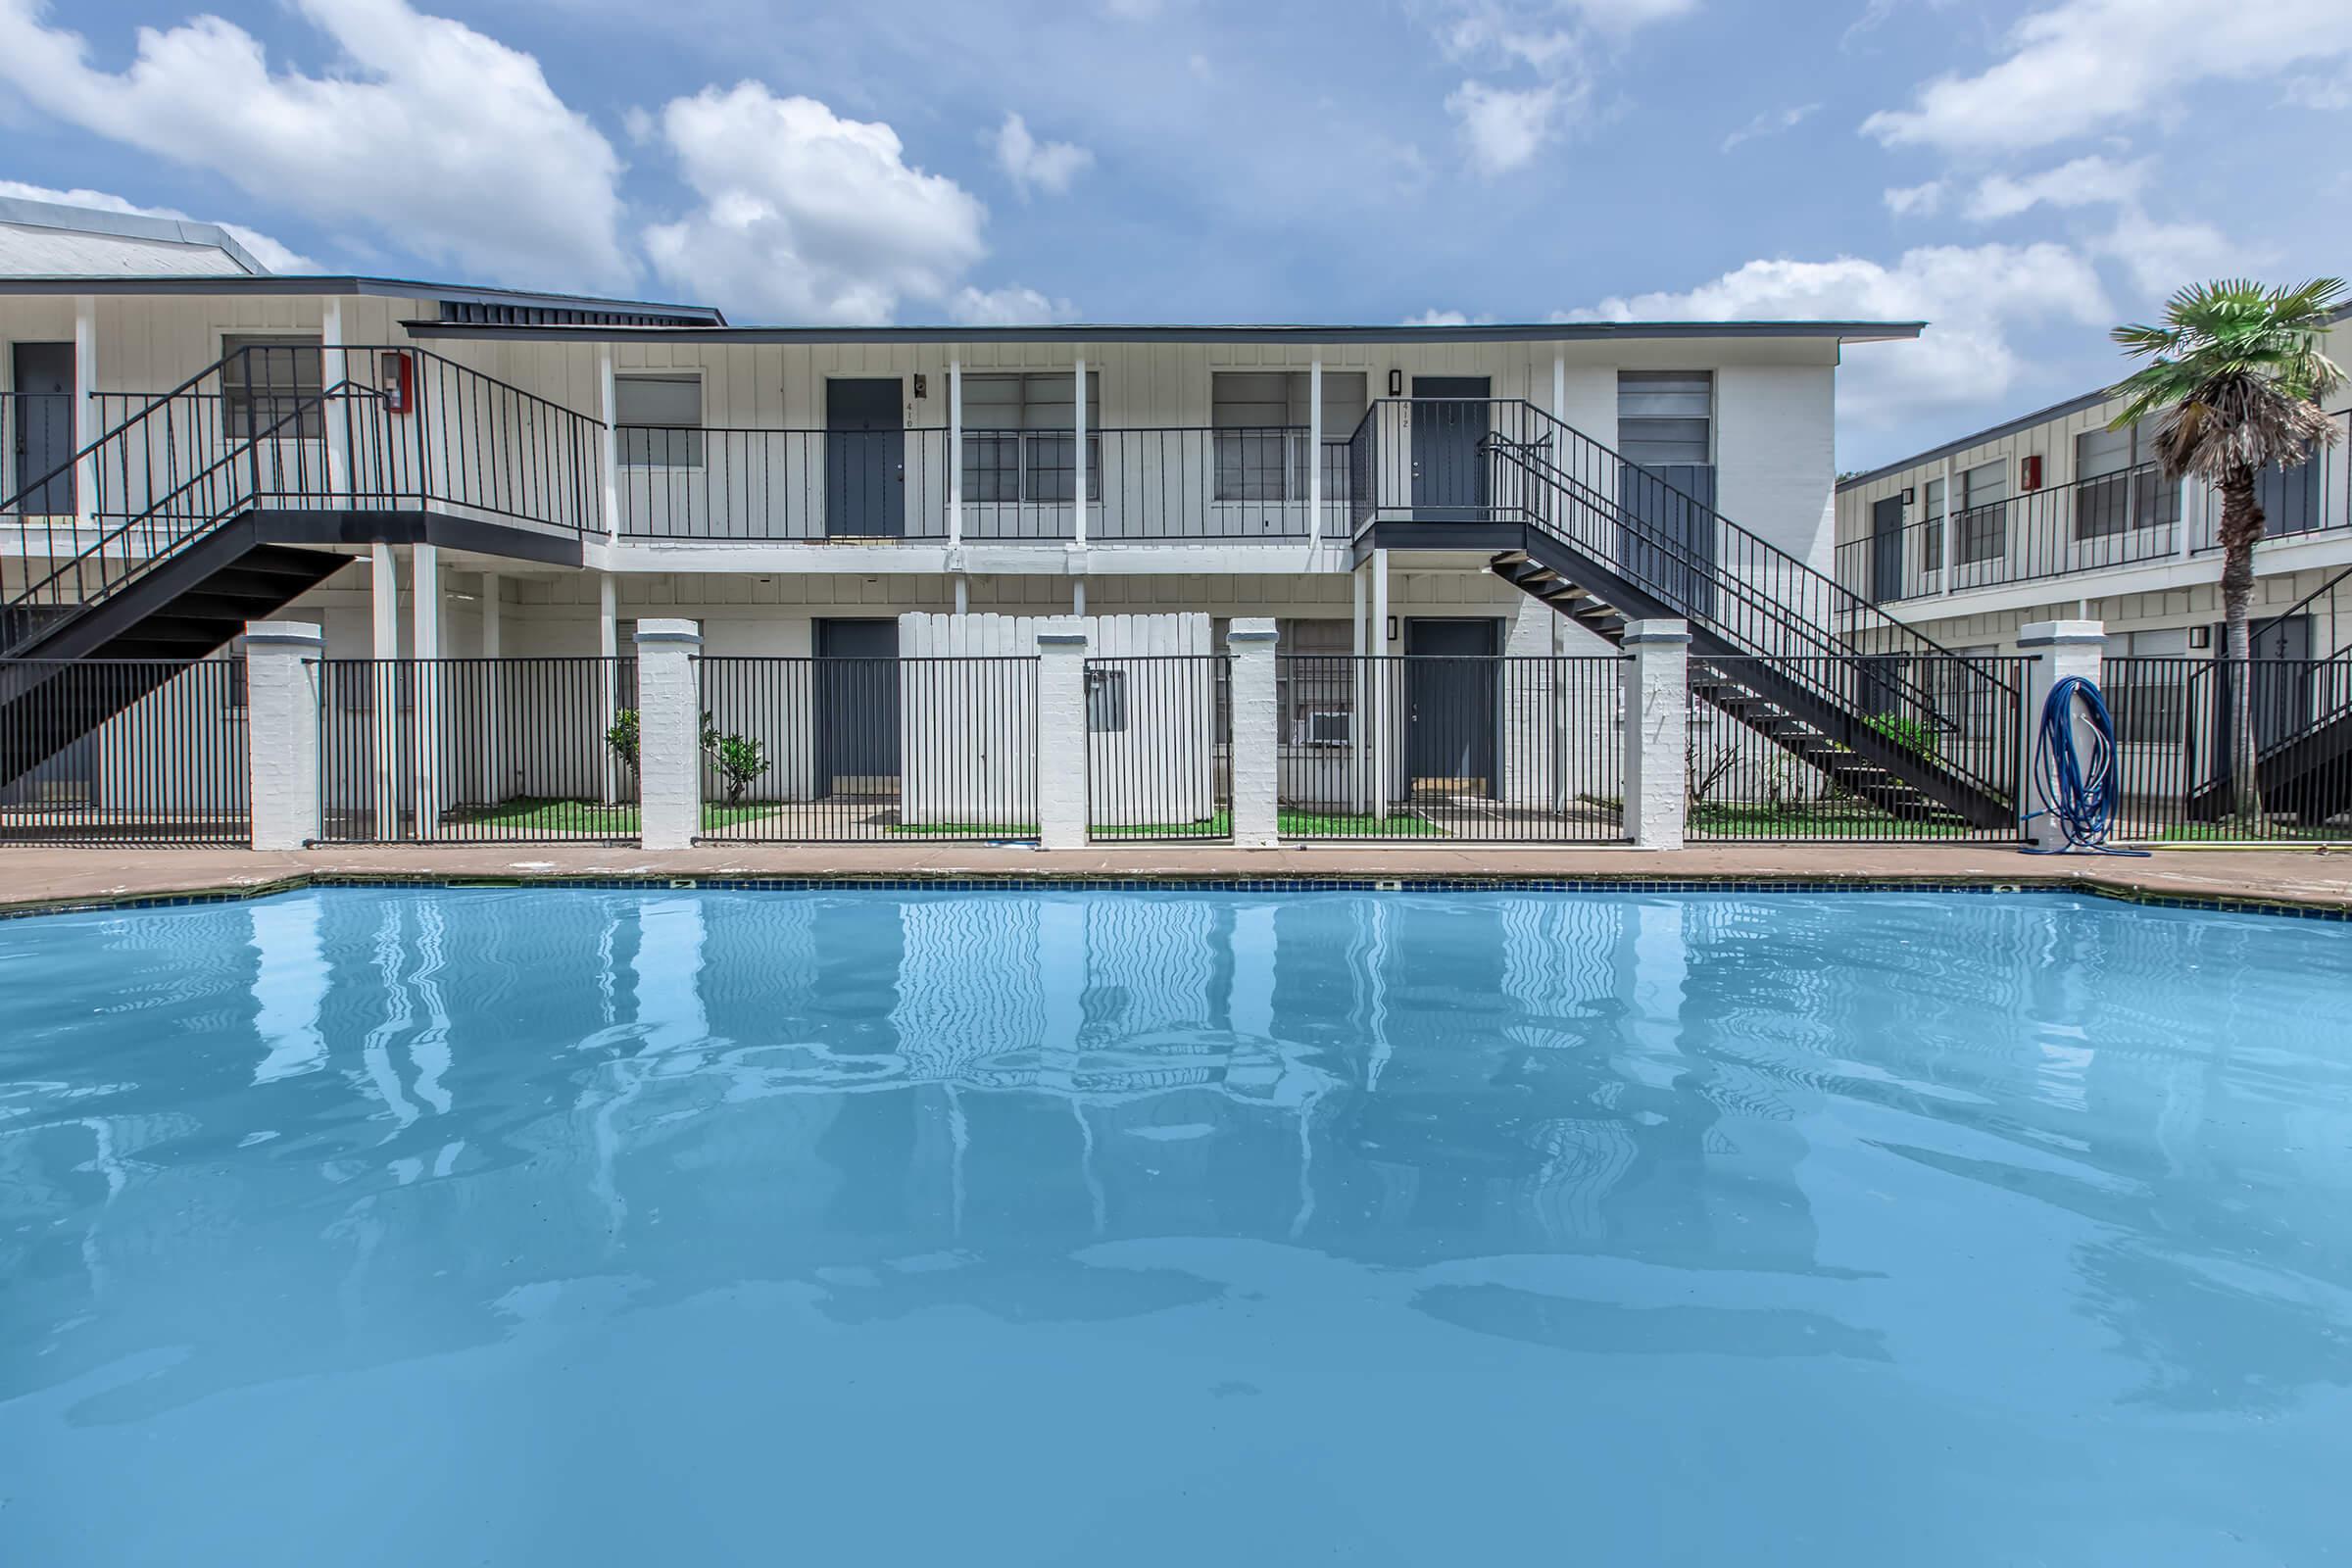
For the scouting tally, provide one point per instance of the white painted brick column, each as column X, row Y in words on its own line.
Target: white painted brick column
column 669, row 734
column 1256, row 735
column 2054, row 650
column 1062, row 735
column 1657, row 721
column 281, row 737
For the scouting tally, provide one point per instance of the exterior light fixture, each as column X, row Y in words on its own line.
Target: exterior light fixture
column 922, row 386
column 1395, row 383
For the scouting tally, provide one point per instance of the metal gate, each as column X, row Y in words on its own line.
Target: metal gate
column 1158, row 762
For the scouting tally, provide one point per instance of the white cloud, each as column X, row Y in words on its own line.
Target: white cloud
column 1047, row 165
column 1007, row 307
column 2084, row 183
column 807, row 216
column 1435, row 318
column 2321, row 93
column 2160, row 257
column 1771, row 123
column 1505, row 126
column 444, row 142
column 1973, row 298
column 1916, row 201
column 272, row 255
column 2083, row 65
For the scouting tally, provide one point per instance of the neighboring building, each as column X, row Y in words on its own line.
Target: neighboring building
column 49, row 240
column 433, row 471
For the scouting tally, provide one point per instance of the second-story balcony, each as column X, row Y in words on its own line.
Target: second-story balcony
column 2111, row 521
column 1180, row 485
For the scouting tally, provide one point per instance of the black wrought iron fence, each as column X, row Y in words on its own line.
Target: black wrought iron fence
column 1889, row 746
column 1155, row 764
column 1474, row 748
column 123, row 752
column 851, row 749
column 2176, row 719
column 486, row 751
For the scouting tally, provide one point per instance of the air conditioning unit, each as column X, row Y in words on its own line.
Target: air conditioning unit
column 1326, row 727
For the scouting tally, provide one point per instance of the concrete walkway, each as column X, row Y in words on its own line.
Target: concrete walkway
column 44, row 877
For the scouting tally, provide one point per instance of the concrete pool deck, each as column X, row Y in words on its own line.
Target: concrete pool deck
column 36, row 878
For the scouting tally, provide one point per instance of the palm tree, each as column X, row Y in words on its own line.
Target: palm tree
column 2234, row 377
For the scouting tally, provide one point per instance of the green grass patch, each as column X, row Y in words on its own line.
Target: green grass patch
column 1357, row 825
column 1818, row 822
column 964, row 830
column 587, row 818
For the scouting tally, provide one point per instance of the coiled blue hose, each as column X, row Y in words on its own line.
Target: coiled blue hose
column 2078, row 793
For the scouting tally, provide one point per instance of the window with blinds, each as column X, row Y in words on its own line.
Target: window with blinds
column 2116, row 488
column 1984, row 513
column 1261, row 424
column 1666, row 419
column 272, row 386
column 1930, row 535
column 658, row 420
column 1021, row 438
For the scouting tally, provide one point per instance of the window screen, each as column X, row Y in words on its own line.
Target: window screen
column 659, row 420
column 1984, row 521
column 270, row 386
column 1019, row 441
column 1931, row 536
column 1665, row 418
column 1262, row 424
column 2116, row 488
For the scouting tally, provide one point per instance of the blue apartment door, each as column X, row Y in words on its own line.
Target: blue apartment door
column 41, row 429
column 1451, row 422
column 865, row 460
column 1886, row 550
column 856, row 706
column 1451, row 677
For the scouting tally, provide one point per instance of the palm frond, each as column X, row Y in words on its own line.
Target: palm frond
column 2233, row 375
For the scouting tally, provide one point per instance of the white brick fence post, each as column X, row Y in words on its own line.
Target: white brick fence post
column 1256, row 736
column 1062, row 735
column 669, row 735
column 2053, row 650
column 282, row 681
column 1657, row 721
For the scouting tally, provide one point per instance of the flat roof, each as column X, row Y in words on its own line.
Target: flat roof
column 1524, row 332
column 351, row 284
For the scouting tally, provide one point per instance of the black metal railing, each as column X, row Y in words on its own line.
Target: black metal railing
column 2115, row 520
column 1156, row 763
column 1504, row 461
column 1460, row 748
column 265, row 427
column 782, row 485
column 2176, row 719
column 1757, row 771
column 486, row 751
column 2313, row 496
column 860, row 750
column 119, row 752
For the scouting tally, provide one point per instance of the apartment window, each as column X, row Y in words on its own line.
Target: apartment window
column 659, row 419
column 2148, row 696
column 2116, row 488
column 1984, row 521
column 1020, row 436
column 1262, row 420
column 1314, row 686
column 1930, row 534
column 1665, row 419
column 272, row 387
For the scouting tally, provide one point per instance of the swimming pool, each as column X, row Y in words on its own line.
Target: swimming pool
column 360, row 1227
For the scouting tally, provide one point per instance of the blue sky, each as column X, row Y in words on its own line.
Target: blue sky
column 2021, row 174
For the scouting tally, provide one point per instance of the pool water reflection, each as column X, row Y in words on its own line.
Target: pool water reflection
column 567, row 1226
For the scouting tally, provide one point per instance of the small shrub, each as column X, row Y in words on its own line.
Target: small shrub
column 623, row 737
column 1914, row 735
column 739, row 760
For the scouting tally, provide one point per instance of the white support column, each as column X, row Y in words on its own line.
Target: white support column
column 1952, row 526
column 1314, row 452
column 963, row 594
column 609, row 402
column 494, row 715
column 2054, row 650
column 1378, row 634
column 1559, row 412
column 670, row 737
column 1256, row 735
column 85, row 409
column 955, row 464
column 281, row 719
column 1561, row 749
column 1077, row 595
column 607, row 649
column 334, row 371
column 1358, row 720
column 383, row 603
column 1657, row 721
column 1078, row 524
column 1062, row 735
column 427, row 707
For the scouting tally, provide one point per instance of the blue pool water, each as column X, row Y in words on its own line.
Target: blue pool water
column 567, row 1227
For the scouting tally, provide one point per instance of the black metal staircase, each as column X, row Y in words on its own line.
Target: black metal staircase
column 2302, row 720
column 1883, row 713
